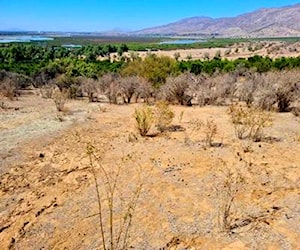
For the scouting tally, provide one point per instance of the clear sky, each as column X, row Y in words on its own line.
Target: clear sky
column 102, row 15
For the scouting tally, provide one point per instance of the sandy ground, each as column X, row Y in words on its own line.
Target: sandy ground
column 47, row 191
column 271, row 49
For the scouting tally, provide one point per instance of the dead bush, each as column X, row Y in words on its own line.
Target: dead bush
column 3, row 106
column 234, row 215
column 8, row 88
column 246, row 86
column 210, row 130
column 213, row 90
column 296, row 111
column 144, row 90
column 180, row 117
column 115, row 209
column 47, row 91
column 110, row 84
column 88, row 87
column 233, row 184
column 163, row 115
column 144, row 119
column 249, row 122
column 278, row 91
column 128, row 86
column 60, row 99
column 20, row 81
column 175, row 89
column 135, row 86
column 126, row 89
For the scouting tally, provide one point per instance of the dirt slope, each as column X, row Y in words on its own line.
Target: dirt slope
column 48, row 197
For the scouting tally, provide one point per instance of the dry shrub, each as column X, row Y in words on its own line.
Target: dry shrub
column 278, row 90
column 175, row 89
column 235, row 216
column 195, row 126
column 60, row 99
column 249, row 122
column 47, row 91
column 227, row 52
column 208, row 127
column 210, row 130
column 246, row 86
column 206, row 56
column 115, row 209
column 180, row 117
column 126, row 88
column 134, row 86
column 110, row 86
column 103, row 108
column 144, row 90
column 212, row 90
column 3, row 106
column 144, row 119
column 8, row 88
column 296, row 111
column 89, row 86
column 188, row 89
column 163, row 115
column 233, row 184
column 269, row 91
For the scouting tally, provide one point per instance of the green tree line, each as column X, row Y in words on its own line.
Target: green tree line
column 42, row 62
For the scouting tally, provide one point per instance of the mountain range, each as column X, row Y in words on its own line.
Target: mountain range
column 266, row 22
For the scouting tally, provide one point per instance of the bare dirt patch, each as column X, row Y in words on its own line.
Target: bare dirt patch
column 48, row 200
column 274, row 49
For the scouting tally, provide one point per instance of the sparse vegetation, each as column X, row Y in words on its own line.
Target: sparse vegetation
column 8, row 88
column 60, row 99
column 47, row 91
column 233, row 184
column 114, row 228
column 163, row 116
column 180, row 117
column 210, row 130
column 249, row 122
column 144, row 119
column 196, row 198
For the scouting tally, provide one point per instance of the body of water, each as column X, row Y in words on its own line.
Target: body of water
column 24, row 39
column 182, row 41
column 71, row 46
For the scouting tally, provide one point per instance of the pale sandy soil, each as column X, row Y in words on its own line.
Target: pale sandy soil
column 270, row 49
column 50, row 202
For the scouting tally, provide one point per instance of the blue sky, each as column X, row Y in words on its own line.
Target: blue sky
column 101, row 15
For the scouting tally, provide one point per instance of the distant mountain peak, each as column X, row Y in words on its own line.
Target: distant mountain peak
column 264, row 22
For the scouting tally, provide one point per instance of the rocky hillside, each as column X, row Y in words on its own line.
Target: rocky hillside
column 283, row 21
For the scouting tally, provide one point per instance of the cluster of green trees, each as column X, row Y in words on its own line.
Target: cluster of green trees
column 258, row 63
column 156, row 69
column 32, row 60
column 43, row 63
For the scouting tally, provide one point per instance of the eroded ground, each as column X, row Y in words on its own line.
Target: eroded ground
column 47, row 190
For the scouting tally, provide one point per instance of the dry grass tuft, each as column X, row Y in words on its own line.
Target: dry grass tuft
column 249, row 122
column 144, row 119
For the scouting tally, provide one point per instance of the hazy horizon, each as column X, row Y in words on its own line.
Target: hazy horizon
column 94, row 16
